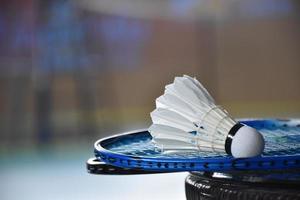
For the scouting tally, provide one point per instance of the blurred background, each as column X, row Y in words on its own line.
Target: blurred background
column 74, row 71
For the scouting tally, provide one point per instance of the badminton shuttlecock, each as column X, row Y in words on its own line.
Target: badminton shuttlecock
column 187, row 118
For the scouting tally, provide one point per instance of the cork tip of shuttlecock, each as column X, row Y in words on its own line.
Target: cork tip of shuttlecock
column 247, row 142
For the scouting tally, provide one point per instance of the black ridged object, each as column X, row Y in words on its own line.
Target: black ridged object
column 243, row 185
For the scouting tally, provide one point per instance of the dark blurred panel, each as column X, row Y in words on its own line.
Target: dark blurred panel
column 78, row 70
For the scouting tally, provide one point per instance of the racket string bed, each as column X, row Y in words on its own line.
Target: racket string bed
column 282, row 141
column 136, row 150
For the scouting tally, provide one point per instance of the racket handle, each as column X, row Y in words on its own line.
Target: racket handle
column 94, row 166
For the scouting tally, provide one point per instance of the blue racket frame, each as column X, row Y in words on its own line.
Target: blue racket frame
column 134, row 150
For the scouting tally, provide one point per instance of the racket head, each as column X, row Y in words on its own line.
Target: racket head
column 97, row 167
column 135, row 150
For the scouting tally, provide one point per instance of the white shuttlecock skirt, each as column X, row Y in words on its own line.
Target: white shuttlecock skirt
column 186, row 118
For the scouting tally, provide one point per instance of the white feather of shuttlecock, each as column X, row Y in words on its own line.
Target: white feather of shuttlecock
column 186, row 118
